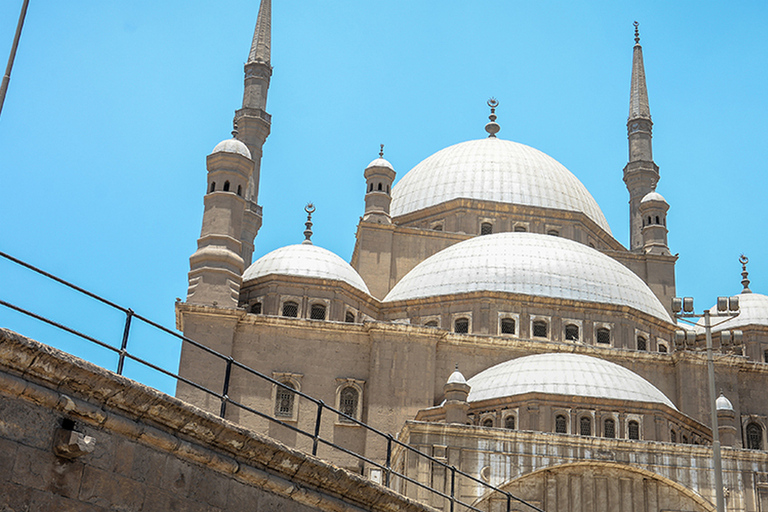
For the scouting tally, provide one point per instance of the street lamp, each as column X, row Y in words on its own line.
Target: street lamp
column 726, row 307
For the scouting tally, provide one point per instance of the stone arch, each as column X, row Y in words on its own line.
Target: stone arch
column 594, row 486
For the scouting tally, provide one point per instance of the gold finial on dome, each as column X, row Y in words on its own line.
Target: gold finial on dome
column 310, row 209
column 744, row 280
column 493, row 127
column 381, row 151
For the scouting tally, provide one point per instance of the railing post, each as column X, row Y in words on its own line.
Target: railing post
column 124, row 343
column 389, row 460
column 509, row 502
column 315, row 437
column 225, row 391
column 453, row 486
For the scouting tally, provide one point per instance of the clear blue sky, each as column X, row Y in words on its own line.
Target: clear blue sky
column 113, row 106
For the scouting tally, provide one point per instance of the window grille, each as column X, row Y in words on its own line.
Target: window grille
column 633, row 430
column 754, row 437
column 488, row 422
column 585, row 426
column 672, row 436
column 284, row 401
column 540, row 329
column 603, row 335
column 642, row 344
column 609, row 428
column 765, row 356
column 461, row 325
column 348, row 400
column 553, row 232
column 561, row 425
column 520, row 229
column 256, row 308
column 349, row 317
column 662, row 348
column 507, row 326
column 290, row 309
column 572, row 332
column 509, row 422
column 317, row 312
column 486, row 228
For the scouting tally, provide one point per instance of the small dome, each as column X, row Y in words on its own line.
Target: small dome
column 232, row 146
column 528, row 264
column 497, row 170
column 305, row 260
column 457, row 378
column 380, row 162
column 653, row 196
column 753, row 310
column 564, row 374
column 723, row 404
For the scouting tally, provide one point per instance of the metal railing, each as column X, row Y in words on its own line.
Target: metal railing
column 390, row 474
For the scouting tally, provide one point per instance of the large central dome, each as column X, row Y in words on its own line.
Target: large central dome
column 494, row 170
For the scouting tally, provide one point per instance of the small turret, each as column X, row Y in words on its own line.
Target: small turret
column 216, row 268
column 726, row 421
column 456, row 391
column 653, row 210
column 379, row 176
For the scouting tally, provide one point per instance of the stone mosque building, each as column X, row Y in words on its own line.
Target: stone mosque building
column 489, row 318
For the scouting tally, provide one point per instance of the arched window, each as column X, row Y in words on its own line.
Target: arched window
column 553, row 232
column 226, row 186
column 603, row 335
column 633, row 430
column 284, row 400
column 461, row 325
column 509, row 422
column 672, row 436
column 520, row 229
column 213, row 186
column 561, row 424
column 290, row 309
column 540, row 329
column 431, row 323
column 348, row 400
column 649, row 219
column 642, row 344
column 754, row 437
column 507, row 326
column 239, row 190
column 317, row 312
column 486, row 228
column 609, row 428
column 349, row 317
column 387, row 189
column 684, row 439
column 370, row 189
column 488, row 422
column 585, row 426
column 379, row 187
column 572, row 332
column 658, row 221
column 662, row 348
column 437, row 227
column 256, row 308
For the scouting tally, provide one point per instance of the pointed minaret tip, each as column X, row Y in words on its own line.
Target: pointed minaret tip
column 262, row 34
column 638, row 100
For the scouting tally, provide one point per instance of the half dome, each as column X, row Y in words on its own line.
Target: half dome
column 232, row 146
column 305, row 260
column 564, row 374
column 528, row 264
column 494, row 170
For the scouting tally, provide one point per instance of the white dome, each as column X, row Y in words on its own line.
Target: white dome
column 753, row 310
column 380, row 162
column 494, row 170
column 653, row 196
column 564, row 374
column 457, row 378
column 232, row 146
column 305, row 260
column 529, row 264
column 723, row 404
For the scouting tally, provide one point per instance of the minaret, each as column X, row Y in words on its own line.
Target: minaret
column 253, row 121
column 379, row 176
column 641, row 174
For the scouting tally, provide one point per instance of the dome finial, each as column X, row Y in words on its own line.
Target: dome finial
column 381, row 151
column 744, row 280
column 310, row 209
column 234, row 130
column 637, row 33
column 493, row 127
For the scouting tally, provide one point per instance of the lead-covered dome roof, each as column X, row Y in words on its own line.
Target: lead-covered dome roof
column 497, row 170
column 528, row 264
column 564, row 374
column 753, row 310
column 232, row 146
column 305, row 260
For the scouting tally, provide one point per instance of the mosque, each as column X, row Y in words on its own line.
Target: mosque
column 489, row 318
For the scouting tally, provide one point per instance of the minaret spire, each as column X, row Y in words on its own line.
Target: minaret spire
column 253, row 121
column 641, row 174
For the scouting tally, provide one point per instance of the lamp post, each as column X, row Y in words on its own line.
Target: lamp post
column 726, row 307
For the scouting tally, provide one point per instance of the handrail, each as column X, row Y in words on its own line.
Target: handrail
column 314, row 436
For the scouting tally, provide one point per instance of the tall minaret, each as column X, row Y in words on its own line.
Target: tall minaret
column 253, row 122
column 641, row 174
